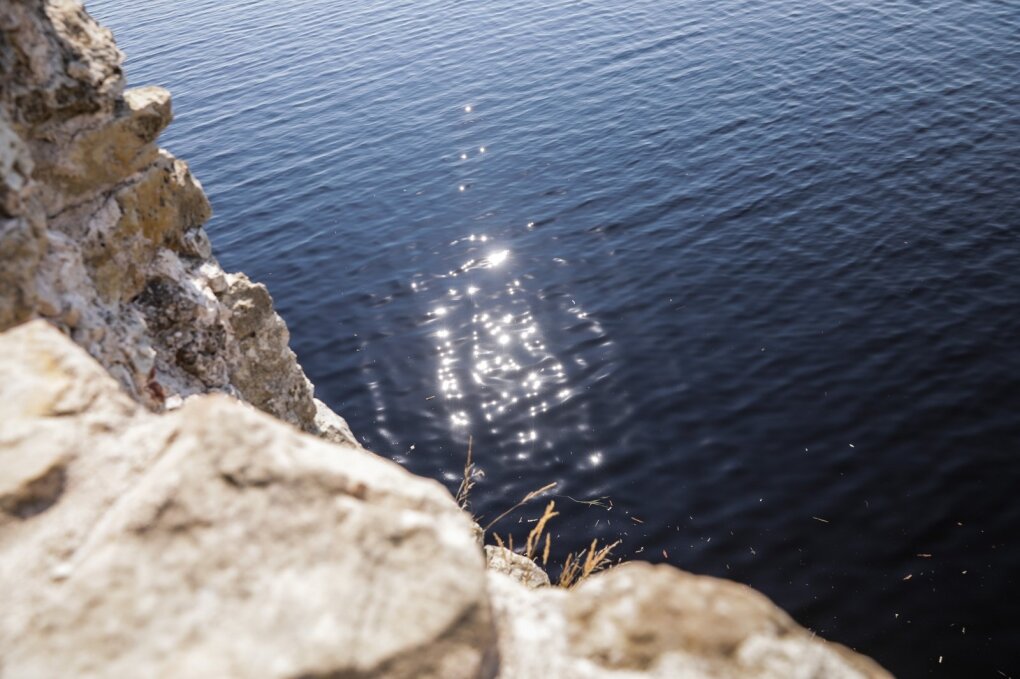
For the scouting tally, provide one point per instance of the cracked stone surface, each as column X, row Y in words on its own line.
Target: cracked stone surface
column 215, row 540
column 102, row 232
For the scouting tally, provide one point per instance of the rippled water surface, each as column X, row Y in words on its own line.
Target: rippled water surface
column 748, row 269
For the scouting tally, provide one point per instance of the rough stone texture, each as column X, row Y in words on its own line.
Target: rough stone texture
column 265, row 376
column 102, row 233
column 640, row 621
column 517, row 566
column 215, row 540
column 22, row 229
column 332, row 427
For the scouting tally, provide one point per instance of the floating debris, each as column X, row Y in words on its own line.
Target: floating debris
column 908, row 577
column 817, row 518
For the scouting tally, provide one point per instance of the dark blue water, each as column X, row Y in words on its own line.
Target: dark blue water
column 749, row 269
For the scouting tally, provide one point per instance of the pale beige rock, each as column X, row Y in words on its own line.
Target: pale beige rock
column 107, row 150
column 638, row 620
column 518, row 567
column 217, row 541
column 639, row 616
column 267, row 374
column 332, row 427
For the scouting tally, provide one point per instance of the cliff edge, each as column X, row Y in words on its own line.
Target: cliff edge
column 175, row 502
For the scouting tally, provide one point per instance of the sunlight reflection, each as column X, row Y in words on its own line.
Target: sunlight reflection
column 497, row 258
column 494, row 364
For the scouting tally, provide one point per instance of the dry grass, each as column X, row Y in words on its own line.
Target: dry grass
column 577, row 566
column 525, row 500
column 595, row 559
column 468, row 481
column 535, row 536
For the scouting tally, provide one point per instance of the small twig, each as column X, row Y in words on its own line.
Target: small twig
column 604, row 502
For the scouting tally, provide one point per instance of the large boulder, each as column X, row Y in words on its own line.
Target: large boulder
column 215, row 540
column 642, row 621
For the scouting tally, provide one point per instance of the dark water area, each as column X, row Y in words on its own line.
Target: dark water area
column 749, row 269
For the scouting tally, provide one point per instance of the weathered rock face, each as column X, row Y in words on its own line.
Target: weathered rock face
column 150, row 526
column 215, row 540
column 639, row 620
column 101, row 232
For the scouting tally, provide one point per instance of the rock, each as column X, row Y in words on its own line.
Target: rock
column 22, row 229
column 108, row 150
column 217, row 541
column 662, row 620
column 102, row 231
column 639, row 620
column 267, row 376
column 332, row 427
column 57, row 63
column 520, row 568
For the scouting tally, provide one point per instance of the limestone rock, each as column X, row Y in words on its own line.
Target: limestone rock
column 658, row 618
column 101, row 231
column 267, row 376
column 217, row 541
column 57, row 62
column 332, row 427
column 22, row 229
column 105, row 151
column 518, row 567
column 640, row 621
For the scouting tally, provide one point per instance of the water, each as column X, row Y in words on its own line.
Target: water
column 748, row 269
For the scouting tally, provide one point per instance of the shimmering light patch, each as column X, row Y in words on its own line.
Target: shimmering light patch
column 493, row 365
column 481, row 149
column 468, row 109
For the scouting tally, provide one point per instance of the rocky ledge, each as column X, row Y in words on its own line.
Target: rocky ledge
column 175, row 502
